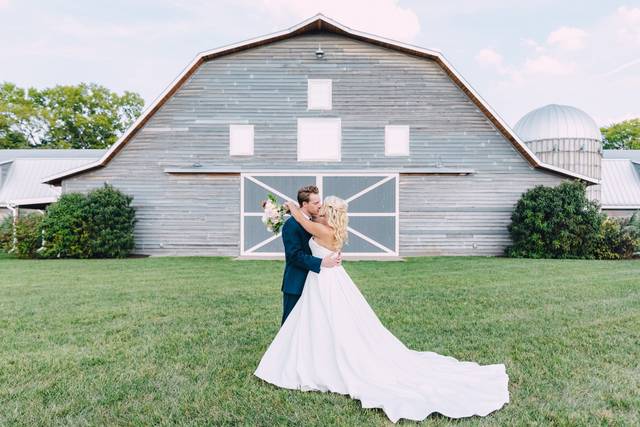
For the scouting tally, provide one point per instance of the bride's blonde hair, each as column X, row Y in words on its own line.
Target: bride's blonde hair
column 335, row 211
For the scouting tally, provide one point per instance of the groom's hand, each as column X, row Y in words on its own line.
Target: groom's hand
column 331, row 260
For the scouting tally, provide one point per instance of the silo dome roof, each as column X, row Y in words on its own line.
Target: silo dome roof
column 555, row 121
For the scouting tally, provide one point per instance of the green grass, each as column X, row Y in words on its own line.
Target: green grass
column 151, row 341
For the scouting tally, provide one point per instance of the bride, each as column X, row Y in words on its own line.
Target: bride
column 333, row 341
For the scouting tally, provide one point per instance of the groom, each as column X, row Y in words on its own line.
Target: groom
column 298, row 258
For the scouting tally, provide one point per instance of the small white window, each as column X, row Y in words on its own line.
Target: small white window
column 396, row 140
column 240, row 140
column 319, row 139
column 319, row 94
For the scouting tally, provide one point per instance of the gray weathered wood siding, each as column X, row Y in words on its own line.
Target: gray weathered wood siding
column 267, row 87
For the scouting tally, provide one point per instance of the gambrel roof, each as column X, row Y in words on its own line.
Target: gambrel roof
column 314, row 24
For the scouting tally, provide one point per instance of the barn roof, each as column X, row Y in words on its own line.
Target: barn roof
column 314, row 24
column 633, row 155
column 48, row 153
column 620, row 184
column 21, row 178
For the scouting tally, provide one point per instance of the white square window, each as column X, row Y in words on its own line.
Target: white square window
column 319, row 139
column 240, row 140
column 319, row 94
column 396, row 140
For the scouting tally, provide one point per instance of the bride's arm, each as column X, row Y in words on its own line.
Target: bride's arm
column 313, row 228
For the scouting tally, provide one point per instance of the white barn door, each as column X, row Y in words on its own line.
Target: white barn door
column 373, row 210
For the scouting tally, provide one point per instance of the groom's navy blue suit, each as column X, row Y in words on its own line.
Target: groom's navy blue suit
column 298, row 263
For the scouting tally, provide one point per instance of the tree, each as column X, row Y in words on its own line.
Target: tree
column 623, row 135
column 21, row 124
column 82, row 116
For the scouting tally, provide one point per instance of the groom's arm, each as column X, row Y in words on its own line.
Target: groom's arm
column 295, row 254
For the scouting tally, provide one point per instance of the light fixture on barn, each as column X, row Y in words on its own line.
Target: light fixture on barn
column 319, row 52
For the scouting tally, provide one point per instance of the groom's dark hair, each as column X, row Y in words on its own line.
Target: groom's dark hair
column 304, row 192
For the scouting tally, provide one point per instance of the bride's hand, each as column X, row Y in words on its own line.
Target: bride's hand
column 290, row 205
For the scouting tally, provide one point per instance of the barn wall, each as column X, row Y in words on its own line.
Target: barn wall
column 267, row 87
column 444, row 215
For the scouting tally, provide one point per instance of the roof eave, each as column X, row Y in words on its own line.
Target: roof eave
column 634, row 207
column 56, row 179
column 569, row 174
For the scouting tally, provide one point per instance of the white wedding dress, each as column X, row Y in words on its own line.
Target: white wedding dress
column 333, row 341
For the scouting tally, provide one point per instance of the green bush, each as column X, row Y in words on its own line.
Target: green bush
column 617, row 241
column 555, row 222
column 28, row 235
column 110, row 221
column 65, row 230
column 97, row 225
column 6, row 234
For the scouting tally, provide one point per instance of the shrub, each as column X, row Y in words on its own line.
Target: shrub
column 110, row 220
column 555, row 222
column 617, row 240
column 65, row 231
column 97, row 225
column 6, row 233
column 28, row 235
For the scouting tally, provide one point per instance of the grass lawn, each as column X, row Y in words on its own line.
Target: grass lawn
column 145, row 341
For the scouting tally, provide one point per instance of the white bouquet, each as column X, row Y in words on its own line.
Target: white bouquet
column 273, row 216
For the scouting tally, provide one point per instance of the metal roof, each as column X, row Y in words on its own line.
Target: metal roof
column 555, row 121
column 633, row 155
column 40, row 153
column 22, row 182
column 620, row 184
column 316, row 23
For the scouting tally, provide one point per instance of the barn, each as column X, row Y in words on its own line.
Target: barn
column 428, row 168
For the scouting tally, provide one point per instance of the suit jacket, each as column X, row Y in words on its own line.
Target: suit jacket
column 298, row 258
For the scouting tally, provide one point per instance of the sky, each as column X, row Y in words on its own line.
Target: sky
column 517, row 54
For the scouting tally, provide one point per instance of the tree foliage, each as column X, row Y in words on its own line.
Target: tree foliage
column 622, row 136
column 82, row 116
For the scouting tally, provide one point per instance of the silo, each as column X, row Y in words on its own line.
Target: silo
column 565, row 137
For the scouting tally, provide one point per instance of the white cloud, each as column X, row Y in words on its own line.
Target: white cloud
column 385, row 18
column 489, row 56
column 540, row 59
column 530, row 43
column 4, row 3
column 545, row 64
column 626, row 21
column 568, row 38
